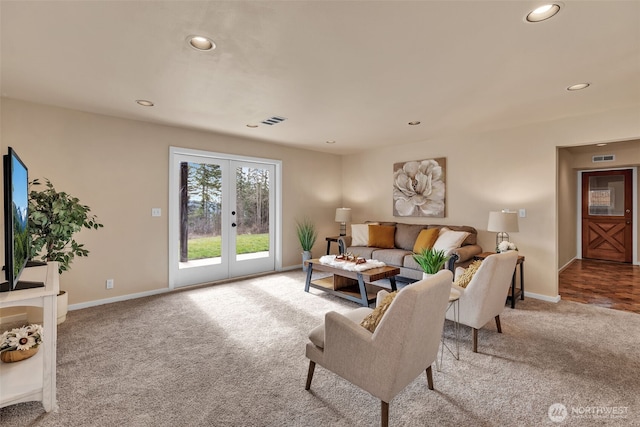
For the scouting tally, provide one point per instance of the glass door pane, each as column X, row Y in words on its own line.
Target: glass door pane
column 252, row 225
column 606, row 195
column 200, row 214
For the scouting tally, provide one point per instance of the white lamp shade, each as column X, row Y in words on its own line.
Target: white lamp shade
column 503, row 222
column 343, row 214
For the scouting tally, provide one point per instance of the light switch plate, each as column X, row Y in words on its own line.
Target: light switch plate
column 156, row 212
column 522, row 213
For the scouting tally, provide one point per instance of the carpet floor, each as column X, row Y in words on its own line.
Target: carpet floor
column 233, row 355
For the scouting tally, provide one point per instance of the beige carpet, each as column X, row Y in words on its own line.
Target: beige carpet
column 233, row 355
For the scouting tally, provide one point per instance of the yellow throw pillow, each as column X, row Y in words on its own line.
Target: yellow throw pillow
column 465, row 278
column 372, row 320
column 382, row 236
column 425, row 240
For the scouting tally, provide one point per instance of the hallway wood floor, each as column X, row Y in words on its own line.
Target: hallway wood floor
column 606, row 284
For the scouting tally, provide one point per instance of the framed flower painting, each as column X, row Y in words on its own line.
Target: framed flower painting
column 419, row 188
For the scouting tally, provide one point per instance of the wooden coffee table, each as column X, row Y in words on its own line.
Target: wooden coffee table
column 356, row 286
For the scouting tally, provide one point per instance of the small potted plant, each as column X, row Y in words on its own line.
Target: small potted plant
column 307, row 235
column 54, row 219
column 430, row 260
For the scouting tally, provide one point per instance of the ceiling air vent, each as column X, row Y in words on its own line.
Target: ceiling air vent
column 604, row 158
column 273, row 120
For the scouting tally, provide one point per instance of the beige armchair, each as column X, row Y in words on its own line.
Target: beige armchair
column 404, row 344
column 484, row 297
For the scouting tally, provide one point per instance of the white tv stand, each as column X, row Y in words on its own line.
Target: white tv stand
column 34, row 378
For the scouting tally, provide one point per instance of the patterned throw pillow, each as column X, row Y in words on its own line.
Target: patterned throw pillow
column 372, row 320
column 465, row 278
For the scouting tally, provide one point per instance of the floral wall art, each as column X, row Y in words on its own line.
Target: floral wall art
column 419, row 188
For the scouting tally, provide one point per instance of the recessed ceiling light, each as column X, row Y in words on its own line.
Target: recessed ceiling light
column 331, row 141
column 144, row 103
column 579, row 86
column 252, row 125
column 201, row 43
column 414, row 123
column 543, row 12
column 602, row 144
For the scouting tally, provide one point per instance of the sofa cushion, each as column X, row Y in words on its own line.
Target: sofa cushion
column 381, row 236
column 449, row 240
column 406, row 235
column 361, row 251
column 425, row 240
column 393, row 257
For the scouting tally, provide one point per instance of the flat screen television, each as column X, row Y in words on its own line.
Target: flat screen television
column 16, row 215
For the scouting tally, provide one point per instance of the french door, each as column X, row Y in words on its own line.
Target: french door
column 222, row 217
column 607, row 215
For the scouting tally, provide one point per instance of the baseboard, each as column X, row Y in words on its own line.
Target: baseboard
column 567, row 264
column 547, row 298
column 116, row 299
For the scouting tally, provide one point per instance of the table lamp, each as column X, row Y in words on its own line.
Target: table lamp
column 502, row 223
column 343, row 215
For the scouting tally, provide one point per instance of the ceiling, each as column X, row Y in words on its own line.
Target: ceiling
column 347, row 71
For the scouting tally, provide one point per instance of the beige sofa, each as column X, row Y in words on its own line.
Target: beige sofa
column 401, row 255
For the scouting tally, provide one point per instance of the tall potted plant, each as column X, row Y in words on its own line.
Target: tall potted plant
column 307, row 235
column 54, row 219
column 430, row 260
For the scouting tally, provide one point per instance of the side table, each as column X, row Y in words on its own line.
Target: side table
column 454, row 301
column 332, row 239
column 520, row 263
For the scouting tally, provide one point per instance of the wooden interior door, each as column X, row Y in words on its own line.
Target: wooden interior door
column 606, row 215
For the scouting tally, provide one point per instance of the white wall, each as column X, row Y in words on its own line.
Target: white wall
column 120, row 169
column 512, row 168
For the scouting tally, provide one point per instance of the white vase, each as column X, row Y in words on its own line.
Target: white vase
column 426, row 275
column 306, row 255
column 34, row 314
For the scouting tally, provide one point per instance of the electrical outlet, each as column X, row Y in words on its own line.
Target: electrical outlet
column 109, row 283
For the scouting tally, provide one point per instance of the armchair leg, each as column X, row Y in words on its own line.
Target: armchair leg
column 312, row 367
column 384, row 414
column 430, row 378
column 475, row 340
column 498, row 324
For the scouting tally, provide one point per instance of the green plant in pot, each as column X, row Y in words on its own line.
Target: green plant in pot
column 54, row 219
column 307, row 235
column 430, row 260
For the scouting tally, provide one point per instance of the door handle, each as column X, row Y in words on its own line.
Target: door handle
column 233, row 224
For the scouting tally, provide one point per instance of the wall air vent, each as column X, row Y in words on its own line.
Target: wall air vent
column 604, row 158
column 273, row 120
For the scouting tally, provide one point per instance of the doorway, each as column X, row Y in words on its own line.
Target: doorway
column 223, row 216
column 607, row 231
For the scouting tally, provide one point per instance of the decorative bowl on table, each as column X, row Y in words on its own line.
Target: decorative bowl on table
column 20, row 343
